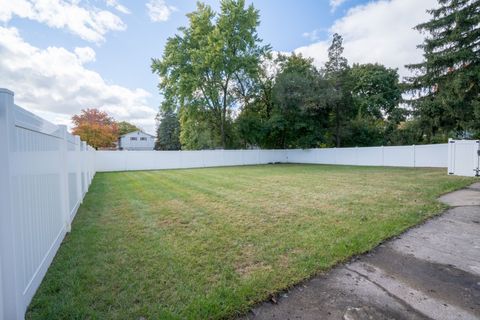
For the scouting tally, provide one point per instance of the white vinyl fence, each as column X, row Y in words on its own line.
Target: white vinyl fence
column 435, row 155
column 44, row 175
column 432, row 155
column 155, row 160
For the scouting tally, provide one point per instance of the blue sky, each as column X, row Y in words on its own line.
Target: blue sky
column 60, row 56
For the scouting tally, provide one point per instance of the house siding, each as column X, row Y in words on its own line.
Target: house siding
column 136, row 140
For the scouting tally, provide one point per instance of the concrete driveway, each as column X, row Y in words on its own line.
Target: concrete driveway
column 430, row 272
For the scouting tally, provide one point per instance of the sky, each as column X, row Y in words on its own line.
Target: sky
column 62, row 56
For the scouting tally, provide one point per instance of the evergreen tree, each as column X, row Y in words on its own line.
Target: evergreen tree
column 168, row 131
column 446, row 85
column 338, row 95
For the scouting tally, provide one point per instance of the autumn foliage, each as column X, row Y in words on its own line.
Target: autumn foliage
column 95, row 127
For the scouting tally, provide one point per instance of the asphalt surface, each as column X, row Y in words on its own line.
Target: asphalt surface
column 430, row 272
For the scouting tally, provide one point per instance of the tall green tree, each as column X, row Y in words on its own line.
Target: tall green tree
column 296, row 95
column 286, row 113
column 376, row 91
column 376, row 97
column 213, row 62
column 251, row 124
column 196, row 131
column 446, row 85
column 168, row 131
column 338, row 94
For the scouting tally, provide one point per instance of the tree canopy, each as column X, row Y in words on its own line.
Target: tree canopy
column 168, row 131
column 212, row 64
column 228, row 90
column 446, row 87
column 96, row 128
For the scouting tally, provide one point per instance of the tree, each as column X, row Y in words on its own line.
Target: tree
column 375, row 91
column 213, row 63
column 337, row 95
column 294, row 122
column 96, row 128
column 376, row 97
column 364, row 132
column 446, row 85
column 251, row 125
column 196, row 129
column 168, row 131
column 125, row 127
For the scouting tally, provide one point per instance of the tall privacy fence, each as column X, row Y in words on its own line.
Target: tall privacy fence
column 45, row 172
column 435, row 155
column 44, row 175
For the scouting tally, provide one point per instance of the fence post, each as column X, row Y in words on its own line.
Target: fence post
column 78, row 171
column 83, row 166
column 414, row 157
column 383, row 157
column 12, row 304
column 64, row 178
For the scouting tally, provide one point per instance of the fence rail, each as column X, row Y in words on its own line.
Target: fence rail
column 44, row 175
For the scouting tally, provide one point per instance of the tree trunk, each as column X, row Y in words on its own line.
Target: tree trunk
column 224, row 114
column 222, row 130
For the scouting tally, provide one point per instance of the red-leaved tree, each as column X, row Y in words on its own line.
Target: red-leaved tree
column 95, row 127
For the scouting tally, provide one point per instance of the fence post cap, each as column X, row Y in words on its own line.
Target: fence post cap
column 4, row 90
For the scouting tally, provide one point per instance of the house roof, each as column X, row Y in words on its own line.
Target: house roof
column 138, row 131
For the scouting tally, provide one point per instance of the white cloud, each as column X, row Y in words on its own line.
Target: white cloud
column 119, row 7
column 313, row 35
column 90, row 24
column 54, row 83
column 159, row 10
column 85, row 54
column 380, row 32
column 334, row 4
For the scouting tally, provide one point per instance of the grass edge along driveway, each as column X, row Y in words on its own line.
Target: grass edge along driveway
column 210, row 243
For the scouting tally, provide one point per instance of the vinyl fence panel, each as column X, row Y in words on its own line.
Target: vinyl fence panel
column 41, row 166
column 372, row 156
column 432, row 155
column 109, row 161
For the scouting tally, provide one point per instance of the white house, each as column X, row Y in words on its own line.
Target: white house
column 137, row 140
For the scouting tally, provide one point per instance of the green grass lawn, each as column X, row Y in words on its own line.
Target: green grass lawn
column 210, row 243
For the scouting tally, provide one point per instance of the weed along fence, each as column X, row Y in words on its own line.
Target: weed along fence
column 45, row 172
column 44, row 175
